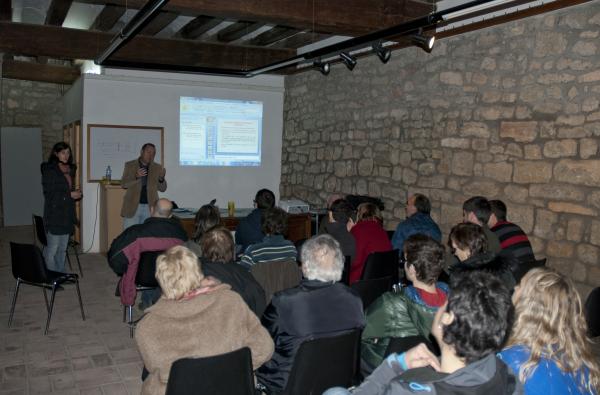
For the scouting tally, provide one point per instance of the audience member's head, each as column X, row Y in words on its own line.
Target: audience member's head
column 340, row 211
column 475, row 321
column 476, row 210
column 208, row 216
column 424, row 259
column 178, row 272
column 322, row 259
column 57, row 149
column 417, row 203
column 368, row 212
column 162, row 208
column 467, row 240
column 274, row 221
column 498, row 213
column 332, row 198
column 264, row 199
column 217, row 245
column 549, row 321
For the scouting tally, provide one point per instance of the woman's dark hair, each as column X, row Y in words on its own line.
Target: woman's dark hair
column 56, row 149
column 426, row 255
column 468, row 236
column 264, row 199
column 482, row 311
column 273, row 221
column 217, row 245
column 498, row 209
column 341, row 211
column 208, row 216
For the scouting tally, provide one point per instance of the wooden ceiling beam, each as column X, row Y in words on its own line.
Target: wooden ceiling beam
column 66, row 43
column 197, row 27
column 159, row 22
column 275, row 34
column 108, row 17
column 57, row 12
column 29, row 71
column 343, row 17
column 5, row 10
column 238, row 30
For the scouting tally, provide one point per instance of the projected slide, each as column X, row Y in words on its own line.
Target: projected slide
column 215, row 132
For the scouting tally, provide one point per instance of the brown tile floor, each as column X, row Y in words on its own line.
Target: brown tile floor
column 95, row 356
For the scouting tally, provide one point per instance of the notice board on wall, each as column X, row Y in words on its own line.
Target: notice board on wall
column 113, row 145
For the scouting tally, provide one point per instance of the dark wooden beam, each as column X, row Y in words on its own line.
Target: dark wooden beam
column 197, row 27
column 66, row 43
column 5, row 10
column 39, row 72
column 57, row 12
column 343, row 17
column 108, row 17
column 238, row 30
column 271, row 36
column 159, row 22
column 300, row 39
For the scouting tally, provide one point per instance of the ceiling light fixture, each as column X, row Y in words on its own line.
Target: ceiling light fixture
column 425, row 42
column 349, row 60
column 322, row 67
column 384, row 54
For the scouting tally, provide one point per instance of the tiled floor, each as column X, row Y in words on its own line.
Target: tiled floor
column 95, row 356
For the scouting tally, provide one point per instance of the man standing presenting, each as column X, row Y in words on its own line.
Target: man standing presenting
column 143, row 179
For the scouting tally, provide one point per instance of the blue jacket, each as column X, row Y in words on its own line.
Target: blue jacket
column 418, row 223
column 249, row 230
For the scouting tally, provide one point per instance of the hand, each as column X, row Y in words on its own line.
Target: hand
column 141, row 172
column 163, row 172
column 76, row 194
column 420, row 356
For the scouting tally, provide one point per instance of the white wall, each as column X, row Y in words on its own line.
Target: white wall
column 152, row 99
column 73, row 103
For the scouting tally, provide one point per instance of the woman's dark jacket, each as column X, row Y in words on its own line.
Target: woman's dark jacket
column 489, row 262
column 59, row 206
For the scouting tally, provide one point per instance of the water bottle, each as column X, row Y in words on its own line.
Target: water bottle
column 108, row 173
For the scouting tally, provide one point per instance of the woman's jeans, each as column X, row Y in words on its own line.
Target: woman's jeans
column 55, row 251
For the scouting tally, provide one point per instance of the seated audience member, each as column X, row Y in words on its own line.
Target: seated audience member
column 548, row 347
column 369, row 236
column 418, row 221
column 218, row 262
column 410, row 312
column 469, row 329
column 249, row 230
column 196, row 316
column 158, row 233
column 339, row 214
column 512, row 239
column 468, row 241
column 207, row 217
column 332, row 198
column 320, row 306
column 273, row 247
column 477, row 210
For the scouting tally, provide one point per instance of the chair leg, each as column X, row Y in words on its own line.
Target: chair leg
column 78, row 261
column 14, row 301
column 54, row 286
column 130, row 320
column 68, row 259
column 45, row 298
column 124, row 313
column 79, row 297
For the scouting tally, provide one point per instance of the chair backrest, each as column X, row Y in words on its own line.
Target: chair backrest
column 370, row 290
column 145, row 275
column 390, row 234
column 346, row 272
column 28, row 263
column 229, row 373
column 592, row 312
column 401, row 344
column 40, row 229
column 275, row 276
column 381, row 264
column 323, row 363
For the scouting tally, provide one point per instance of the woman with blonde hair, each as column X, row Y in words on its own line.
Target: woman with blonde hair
column 548, row 347
column 196, row 316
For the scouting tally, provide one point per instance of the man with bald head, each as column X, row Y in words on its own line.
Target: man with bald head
column 418, row 221
column 158, row 233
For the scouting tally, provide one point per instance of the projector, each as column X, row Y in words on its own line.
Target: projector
column 294, row 206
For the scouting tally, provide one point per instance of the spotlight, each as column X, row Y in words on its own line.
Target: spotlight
column 425, row 42
column 349, row 60
column 383, row 53
column 322, row 67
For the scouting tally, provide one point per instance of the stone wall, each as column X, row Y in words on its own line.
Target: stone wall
column 510, row 112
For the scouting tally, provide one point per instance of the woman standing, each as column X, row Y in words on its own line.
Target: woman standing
column 58, row 182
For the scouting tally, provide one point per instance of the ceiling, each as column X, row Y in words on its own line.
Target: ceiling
column 47, row 39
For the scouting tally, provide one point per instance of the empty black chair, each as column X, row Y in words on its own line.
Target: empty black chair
column 144, row 281
column 370, row 290
column 346, row 272
column 382, row 264
column 323, row 363
column 28, row 267
column 399, row 345
column 592, row 312
column 229, row 373
column 40, row 233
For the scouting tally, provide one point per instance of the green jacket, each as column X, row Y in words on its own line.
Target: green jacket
column 395, row 315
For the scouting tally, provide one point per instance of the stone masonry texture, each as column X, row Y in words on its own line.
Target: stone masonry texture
column 510, row 112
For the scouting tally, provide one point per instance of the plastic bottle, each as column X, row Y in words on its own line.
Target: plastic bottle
column 108, row 173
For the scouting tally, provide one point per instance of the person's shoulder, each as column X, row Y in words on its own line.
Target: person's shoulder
column 514, row 355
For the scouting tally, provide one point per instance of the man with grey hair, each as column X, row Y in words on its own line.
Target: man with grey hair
column 318, row 307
